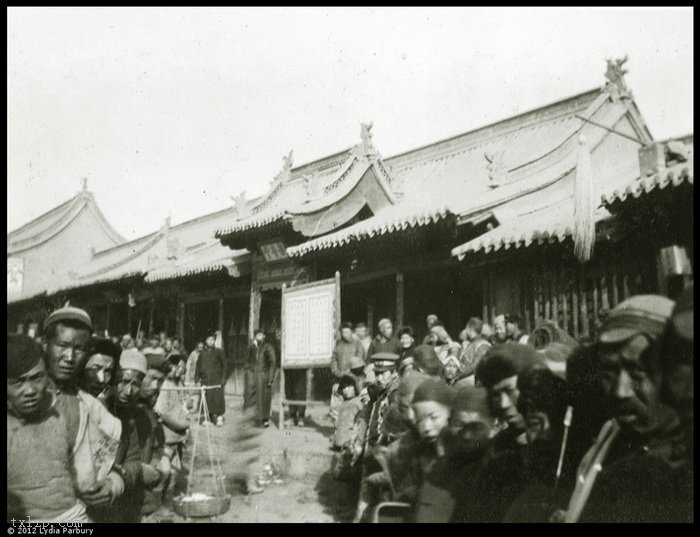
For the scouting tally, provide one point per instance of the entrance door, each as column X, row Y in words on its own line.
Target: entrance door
column 201, row 320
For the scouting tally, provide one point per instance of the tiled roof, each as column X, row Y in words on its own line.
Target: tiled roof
column 675, row 176
column 553, row 223
column 388, row 222
column 210, row 258
column 451, row 172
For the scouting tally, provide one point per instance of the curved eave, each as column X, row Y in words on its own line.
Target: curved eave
column 514, row 241
column 644, row 186
column 343, row 238
column 253, row 223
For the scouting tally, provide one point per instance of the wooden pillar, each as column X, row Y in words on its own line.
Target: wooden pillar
column 254, row 314
column 129, row 317
column 109, row 316
column 484, row 299
column 399, row 299
column 221, row 323
column 583, row 302
column 180, row 321
column 370, row 319
column 150, row 316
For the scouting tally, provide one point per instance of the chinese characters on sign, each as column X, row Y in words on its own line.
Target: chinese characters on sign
column 309, row 326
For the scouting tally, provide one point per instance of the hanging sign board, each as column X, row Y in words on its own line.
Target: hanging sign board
column 310, row 317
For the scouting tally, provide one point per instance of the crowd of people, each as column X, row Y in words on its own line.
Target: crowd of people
column 499, row 426
column 510, row 427
column 97, row 427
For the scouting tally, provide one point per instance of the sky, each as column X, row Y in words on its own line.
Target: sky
column 171, row 112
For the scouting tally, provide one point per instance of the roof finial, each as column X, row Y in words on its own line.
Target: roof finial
column 84, row 180
column 366, row 148
column 615, row 73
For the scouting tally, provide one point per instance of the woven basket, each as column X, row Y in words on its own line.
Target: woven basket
column 205, row 508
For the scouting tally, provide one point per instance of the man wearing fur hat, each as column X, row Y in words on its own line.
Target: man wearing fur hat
column 626, row 476
column 498, row 372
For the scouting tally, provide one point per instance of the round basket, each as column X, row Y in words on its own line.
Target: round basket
column 210, row 506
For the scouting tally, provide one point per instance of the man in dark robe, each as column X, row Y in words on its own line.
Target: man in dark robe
column 211, row 371
column 259, row 376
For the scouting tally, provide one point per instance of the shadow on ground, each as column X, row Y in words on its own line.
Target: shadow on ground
column 338, row 498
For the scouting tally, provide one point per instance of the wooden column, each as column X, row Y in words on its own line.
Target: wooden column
column 109, row 315
column 181, row 321
column 370, row 319
column 150, row 316
column 399, row 299
column 583, row 302
column 129, row 317
column 254, row 314
column 221, row 323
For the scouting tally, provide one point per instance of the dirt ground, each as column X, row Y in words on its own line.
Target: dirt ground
column 308, row 493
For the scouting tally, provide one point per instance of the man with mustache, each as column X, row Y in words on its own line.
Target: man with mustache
column 93, row 433
column 96, row 373
column 625, row 476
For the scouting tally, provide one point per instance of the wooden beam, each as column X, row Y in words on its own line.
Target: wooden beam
column 221, row 324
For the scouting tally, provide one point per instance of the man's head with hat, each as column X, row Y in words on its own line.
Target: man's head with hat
column 451, row 368
column 471, row 423
column 348, row 386
column 384, row 365
column 404, row 394
column 514, row 324
column 27, row 378
column 132, row 370
column 498, row 372
column 386, row 328
column 96, row 372
column 406, row 337
column 628, row 359
column 157, row 369
column 427, row 361
column 432, row 404
column 67, row 335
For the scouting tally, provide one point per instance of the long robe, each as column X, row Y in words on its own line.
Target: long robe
column 211, row 371
column 260, row 373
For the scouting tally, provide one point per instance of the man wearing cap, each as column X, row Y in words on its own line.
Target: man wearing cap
column 430, row 321
column 498, row 372
column 444, row 345
column 475, row 347
column 211, row 371
column 368, row 432
column 154, row 346
column 92, row 431
column 384, row 341
column 39, row 477
column 426, row 361
column 499, row 330
column 452, row 491
column 133, row 460
column 626, row 475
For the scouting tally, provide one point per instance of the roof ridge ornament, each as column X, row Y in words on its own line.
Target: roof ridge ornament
column 241, row 204
column 285, row 174
column 366, row 147
column 615, row 84
column 311, row 186
column 498, row 171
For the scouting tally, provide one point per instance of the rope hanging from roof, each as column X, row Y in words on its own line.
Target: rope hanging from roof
column 584, row 204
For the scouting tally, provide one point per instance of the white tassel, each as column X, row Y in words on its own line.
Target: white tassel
column 584, row 204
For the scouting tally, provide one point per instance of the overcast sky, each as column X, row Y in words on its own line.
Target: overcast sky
column 172, row 111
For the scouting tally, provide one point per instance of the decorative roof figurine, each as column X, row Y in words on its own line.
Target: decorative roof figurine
column 285, row 174
column 311, row 187
column 616, row 85
column 498, row 171
column 366, row 148
column 241, row 204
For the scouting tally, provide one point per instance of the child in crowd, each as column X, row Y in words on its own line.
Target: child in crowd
column 349, row 409
column 171, row 410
